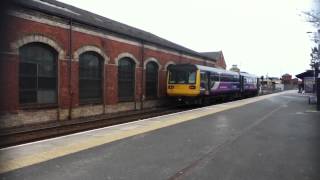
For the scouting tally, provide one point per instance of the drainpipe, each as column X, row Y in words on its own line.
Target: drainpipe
column 70, row 71
column 58, row 90
column 142, row 76
column 104, row 85
column 104, row 78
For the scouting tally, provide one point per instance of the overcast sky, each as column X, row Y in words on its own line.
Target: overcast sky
column 260, row 36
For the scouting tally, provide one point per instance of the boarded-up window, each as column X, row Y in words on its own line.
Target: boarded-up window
column 151, row 80
column 37, row 74
column 90, row 77
column 126, row 79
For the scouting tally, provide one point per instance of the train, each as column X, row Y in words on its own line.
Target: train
column 197, row 84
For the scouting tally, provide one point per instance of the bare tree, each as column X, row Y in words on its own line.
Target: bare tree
column 313, row 14
column 313, row 18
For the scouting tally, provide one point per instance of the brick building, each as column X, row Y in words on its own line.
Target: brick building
column 60, row 62
column 288, row 82
column 218, row 55
column 286, row 79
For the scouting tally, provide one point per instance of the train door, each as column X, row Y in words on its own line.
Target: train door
column 204, row 83
column 213, row 80
column 241, row 84
column 258, row 85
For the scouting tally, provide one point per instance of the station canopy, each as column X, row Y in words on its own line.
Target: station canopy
column 308, row 73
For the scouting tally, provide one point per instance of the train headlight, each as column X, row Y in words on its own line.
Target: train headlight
column 170, row 87
column 192, row 87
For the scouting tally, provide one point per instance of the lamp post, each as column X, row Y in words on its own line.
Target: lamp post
column 317, row 84
column 317, row 71
column 317, row 66
column 315, row 63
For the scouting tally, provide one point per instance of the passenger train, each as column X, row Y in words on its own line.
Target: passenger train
column 196, row 84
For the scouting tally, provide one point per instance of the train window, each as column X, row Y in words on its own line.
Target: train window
column 213, row 79
column 126, row 79
column 226, row 78
column 245, row 80
column 37, row 74
column 222, row 78
column 90, row 77
column 236, row 78
column 178, row 77
column 192, row 77
column 216, row 78
column 151, row 80
column 182, row 77
column 172, row 77
column 250, row 80
column 204, row 80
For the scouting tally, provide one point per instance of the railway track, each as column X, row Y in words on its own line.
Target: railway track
column 31, row 133
column 16, row 136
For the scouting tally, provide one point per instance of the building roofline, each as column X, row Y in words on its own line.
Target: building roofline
column 173, row 46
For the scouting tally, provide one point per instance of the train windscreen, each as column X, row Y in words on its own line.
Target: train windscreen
column 182, row 77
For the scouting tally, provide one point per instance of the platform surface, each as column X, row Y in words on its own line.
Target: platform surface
column 268, row 137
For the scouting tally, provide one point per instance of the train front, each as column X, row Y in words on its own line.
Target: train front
column 183, row 81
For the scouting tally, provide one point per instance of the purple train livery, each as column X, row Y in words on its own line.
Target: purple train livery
column 196, row 84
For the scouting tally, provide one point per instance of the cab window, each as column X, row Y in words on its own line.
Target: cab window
column 192, row 77
column 182, row 77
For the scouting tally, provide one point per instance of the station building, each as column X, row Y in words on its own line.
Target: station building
column 60, row 62
column 218, row 56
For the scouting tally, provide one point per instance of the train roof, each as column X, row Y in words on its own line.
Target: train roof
column 217, row 70
column 248, row 75
column 210, row 69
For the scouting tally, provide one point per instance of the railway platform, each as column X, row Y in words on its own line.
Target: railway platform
column 274, row 136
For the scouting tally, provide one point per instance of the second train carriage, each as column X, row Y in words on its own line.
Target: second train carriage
column 199, row 84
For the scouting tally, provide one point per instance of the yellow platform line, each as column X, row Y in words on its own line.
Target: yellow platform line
column 90, row 142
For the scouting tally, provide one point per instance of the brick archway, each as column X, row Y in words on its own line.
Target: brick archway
column 37, row 38
column 151, row 59
column 168, row 64
column 88, row 48
column 126, row 54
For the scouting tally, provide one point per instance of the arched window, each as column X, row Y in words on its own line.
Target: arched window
column 126, row 78
column 168, row 67
column 90, row 77
column 152, row 80
column 37, row 74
